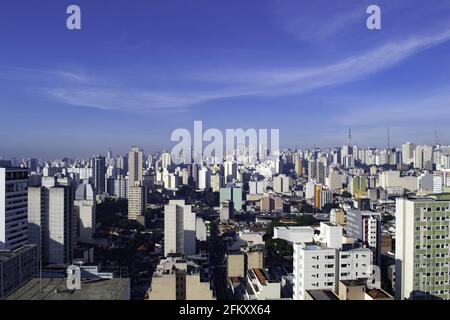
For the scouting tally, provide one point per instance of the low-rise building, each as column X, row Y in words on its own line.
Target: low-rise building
column 176, row 278
column 260, row 287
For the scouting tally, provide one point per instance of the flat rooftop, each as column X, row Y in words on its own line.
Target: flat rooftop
column 56, row 289
column 5, row 255
column 378, row 294
column 431, row 198
column 314, row 246
column 354, row 283
column 322, row 295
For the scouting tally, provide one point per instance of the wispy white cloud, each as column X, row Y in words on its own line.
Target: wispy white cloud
column 108, row 94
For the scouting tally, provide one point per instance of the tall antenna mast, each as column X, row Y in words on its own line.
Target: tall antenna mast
column 349, row 137
column 436, row 137
column 389, row 139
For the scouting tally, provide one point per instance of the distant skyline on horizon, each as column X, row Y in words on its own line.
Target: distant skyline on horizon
column 149, row 152
column 137, row 71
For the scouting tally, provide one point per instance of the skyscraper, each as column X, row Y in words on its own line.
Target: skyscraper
column 136, row 192
column 232, row 194
column 423, row 157
column 166, row 160
column 179, row 228
column 51, row 223
column 84, row 210
column 13, row 207
column 135, row 166
column 408, row 153
column 61, row 225
column 421, row 248
column 99, row 172
column 136, row 201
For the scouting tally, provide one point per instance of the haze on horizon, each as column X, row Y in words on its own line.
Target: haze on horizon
column 137, row 71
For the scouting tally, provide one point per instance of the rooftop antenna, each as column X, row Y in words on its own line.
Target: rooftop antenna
column 389, row 139
column 436, row 137
column 349, row 137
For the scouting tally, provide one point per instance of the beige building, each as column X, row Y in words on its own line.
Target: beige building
column 271, row 203
column 179, row 279
column 136, row 201
column 255, row 259
column 136, row 192
column 236, row 265
column 337, row 216
column 358, row 290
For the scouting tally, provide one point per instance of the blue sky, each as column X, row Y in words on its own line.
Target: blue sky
column 140, row 69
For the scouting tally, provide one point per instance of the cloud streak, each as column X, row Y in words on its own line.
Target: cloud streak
column 80, row 90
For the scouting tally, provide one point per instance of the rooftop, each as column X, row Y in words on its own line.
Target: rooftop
column 378, row 294
column 56, row 289
column 6, row 255
column 354, row 283
column 261, row 275
column 322, row 295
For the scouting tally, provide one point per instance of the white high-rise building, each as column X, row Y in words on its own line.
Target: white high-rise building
column 282, row 184
column 179, row 228
column 334, row 181
column 422, row 242
column 61, row 225
column 121, row 187
column 441, row 181
column 13, row 208
column 314, row 268
column 166, row 160
column 423, row 157
column 51, row 221
column 408, row 153
column 322, row 263
column 204, row 178
column 230, row 168
column 85, row 209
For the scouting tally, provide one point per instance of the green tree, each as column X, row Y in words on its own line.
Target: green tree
column 346, row 194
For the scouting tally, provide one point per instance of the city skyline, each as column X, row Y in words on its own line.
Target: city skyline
column 132, row 76
column 105, row 151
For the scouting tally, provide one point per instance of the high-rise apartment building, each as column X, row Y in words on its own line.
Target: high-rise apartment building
column 51, row 222
column 84, row 210
column 136, row 192
column 135, row 166
column 136, row 201
column 320, row 262
column 282, row 184
column 423, row 157
column 99, row 173
column 408, row 153
column 422, row 256
column 179, row 228
column 13, row 207
column 232, row 194
column 166, row 160
column 365, row 226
